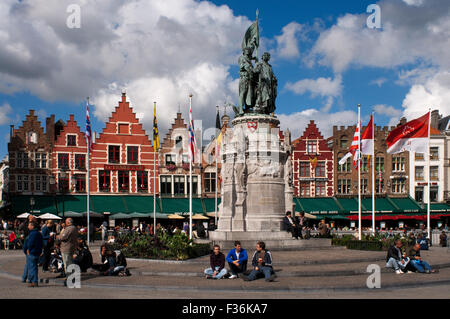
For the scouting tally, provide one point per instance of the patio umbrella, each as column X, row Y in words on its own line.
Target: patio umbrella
column 213, row 214
column 175, row 216
column 49, row 216
column 120, row 216
column 72, row 214
column 199, row 216
column 92, row 214
column 24, row 215
column 310, row 216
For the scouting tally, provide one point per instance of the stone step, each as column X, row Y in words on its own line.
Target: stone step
column 282, row 244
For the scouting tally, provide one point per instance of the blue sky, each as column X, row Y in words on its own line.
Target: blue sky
column 326, row 59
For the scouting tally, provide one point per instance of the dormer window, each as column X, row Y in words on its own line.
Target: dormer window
column 32, row 138
column 71, row 140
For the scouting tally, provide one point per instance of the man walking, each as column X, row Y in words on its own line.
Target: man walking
column 69, row 243
column 237, row 260
column 262, row 264
column 32, row 249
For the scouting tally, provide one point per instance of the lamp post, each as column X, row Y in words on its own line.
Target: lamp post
column 32, row 202
column 52, row 182
column 63, row 190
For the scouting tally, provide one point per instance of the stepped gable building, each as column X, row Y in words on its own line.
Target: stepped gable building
column 174, row 162
column 391, row 171
column 122, row 159
column 30, row 149
column 313, row 164
column 69, row 156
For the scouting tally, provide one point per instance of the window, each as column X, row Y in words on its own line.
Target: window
column 32, row 138
column 320, row 169
column 124, row 181
column 20, row 159
column 343, row 142
column 312, row 147
column 63, row 183
column 364, row 186
column 114, row 154
column 132, row 154
column 178, row 142
column 365, row 164
column 63, row 161
column 344, row 186
column 166, row 184
column 22, row 183
column 398, row 164
column 178, row 185
column 80, row 161
column 434, row 153
column 398, row 186
column 170, row 159
column 305, row 189
column 379, row 164
column 40, row 160
column 71, row 140
column 25, row 160
column 194, row 185
column 379, row 186
column 185, row 159
column 434, row 173
column 142, row 180
column 37, row 183
column 321, row 189
column 419, row 175
column 346, row 167
column 43, row 183
column 104, row 181
column 419, row 157
column 124, row 128
column 79, row 183
column 433, row 194
column 304, row 169
column 419, row 194
column 210, row 182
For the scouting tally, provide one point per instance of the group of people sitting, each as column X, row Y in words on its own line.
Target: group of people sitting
column 407, row 260
column 237, row 259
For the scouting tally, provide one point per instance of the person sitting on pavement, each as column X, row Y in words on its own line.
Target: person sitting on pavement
column 290, row 226
column 82, row 256
column 394, row 257
column 323, row 229
column 217, row 263
column 262, row 264
column 237, row 260
column 110, row 265
column 416, row 260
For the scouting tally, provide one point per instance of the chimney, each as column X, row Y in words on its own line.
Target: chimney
column 124, row 95
column 50, row 129
column 11, row 132
column 435, row 117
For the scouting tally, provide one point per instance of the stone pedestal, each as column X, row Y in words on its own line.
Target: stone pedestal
column 253, row 189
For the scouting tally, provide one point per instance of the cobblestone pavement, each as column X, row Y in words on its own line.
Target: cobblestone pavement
column 303, row 274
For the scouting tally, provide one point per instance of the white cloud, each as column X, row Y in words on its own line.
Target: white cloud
column 379, row 82
column 287, row 42
column 434, row 93
column 416, row 3
column 389, row 111
column 297, row 122
column 161, row 48
column 5, row 111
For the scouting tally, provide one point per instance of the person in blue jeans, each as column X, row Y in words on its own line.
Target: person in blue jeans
column 416, row 260
column 217, row 263
column 262, row 264
column 32, row 249
column 237, row 260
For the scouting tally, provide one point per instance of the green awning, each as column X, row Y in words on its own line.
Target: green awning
column 42, row 204
column 349, row 204
column 181, row 205
column 406, row 204
column 382, row 205
column 317, row 205
column 109, row 203
column 141, row 204
column 210, row 204
column 439, row 207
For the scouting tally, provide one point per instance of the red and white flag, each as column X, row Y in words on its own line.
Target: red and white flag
column 412, row 136
column 367, row 139
column 353, row 151
column 192, row 142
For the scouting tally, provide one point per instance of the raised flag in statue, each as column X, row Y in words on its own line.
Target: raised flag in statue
column 412, row 136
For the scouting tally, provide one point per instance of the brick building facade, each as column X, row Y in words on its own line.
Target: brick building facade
column 313, row 164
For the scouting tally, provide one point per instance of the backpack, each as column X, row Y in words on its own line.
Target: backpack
column 120, row 259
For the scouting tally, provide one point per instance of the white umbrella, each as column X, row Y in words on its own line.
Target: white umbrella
column 24, row 215
column 49, row 216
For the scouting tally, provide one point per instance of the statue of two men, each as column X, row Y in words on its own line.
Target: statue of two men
column 257, row 84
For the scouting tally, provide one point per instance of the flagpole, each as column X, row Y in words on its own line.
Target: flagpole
column 429, row 177
column 155, row 158
column 190, row 177
column 359, row 171
column 373, row 173
column 87, row 185
column 215, row 203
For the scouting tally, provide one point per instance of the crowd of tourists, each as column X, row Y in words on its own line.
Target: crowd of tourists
column 237, row 259
column 56, row 246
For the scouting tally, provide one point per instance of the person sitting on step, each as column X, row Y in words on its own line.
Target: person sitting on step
column 262, row 264
column 237, row 260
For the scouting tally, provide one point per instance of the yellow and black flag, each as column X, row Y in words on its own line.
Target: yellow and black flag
column 155, row 131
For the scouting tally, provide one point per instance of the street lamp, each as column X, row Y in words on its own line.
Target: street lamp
column 63, row 190
column 32, row 202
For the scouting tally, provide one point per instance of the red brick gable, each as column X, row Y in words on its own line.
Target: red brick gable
column 71, row 128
